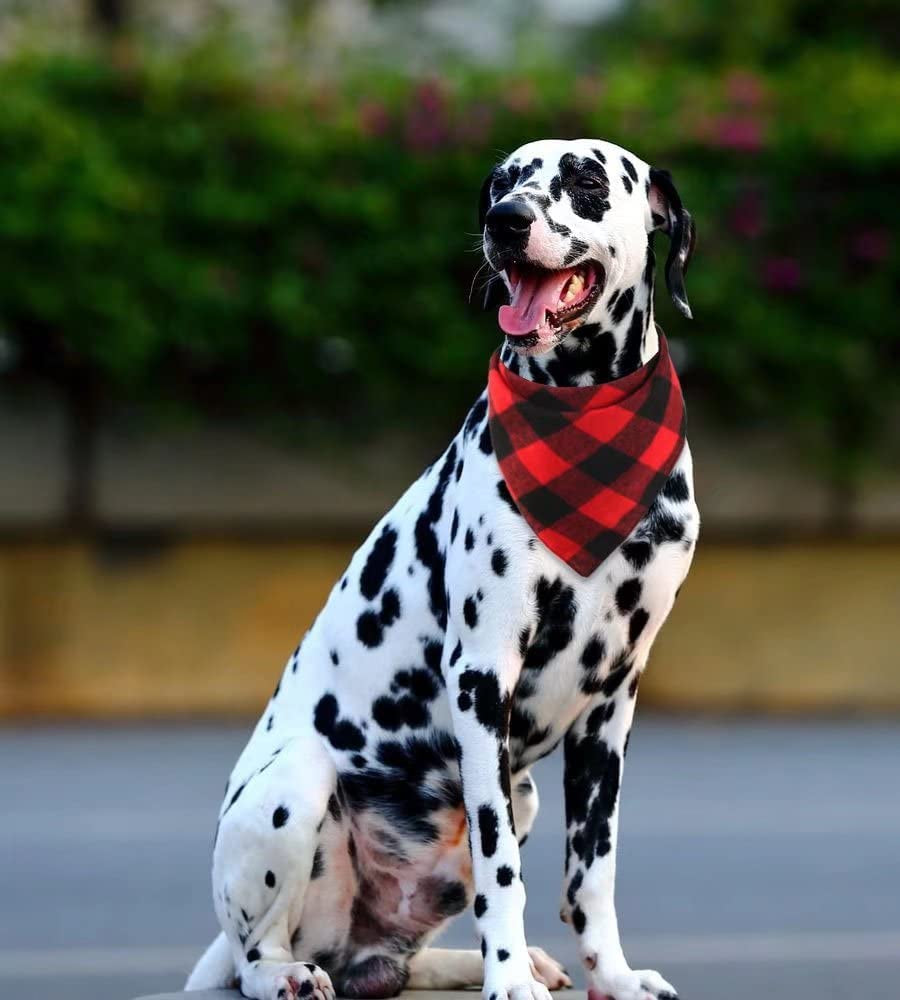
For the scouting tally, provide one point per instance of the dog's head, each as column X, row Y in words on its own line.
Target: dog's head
column 568, row 226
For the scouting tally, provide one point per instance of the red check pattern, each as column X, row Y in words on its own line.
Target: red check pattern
column 584, row 465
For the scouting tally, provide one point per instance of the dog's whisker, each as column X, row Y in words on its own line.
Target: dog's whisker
column 475, row 279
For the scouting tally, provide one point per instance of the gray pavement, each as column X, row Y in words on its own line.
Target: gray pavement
column 757, row 858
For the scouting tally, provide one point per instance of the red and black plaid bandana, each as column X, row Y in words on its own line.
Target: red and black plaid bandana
column 584, row 465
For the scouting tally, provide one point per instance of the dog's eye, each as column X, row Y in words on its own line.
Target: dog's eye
column 587, row 181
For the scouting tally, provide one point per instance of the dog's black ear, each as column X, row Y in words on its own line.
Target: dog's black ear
column 484, row 200
column 669, row 215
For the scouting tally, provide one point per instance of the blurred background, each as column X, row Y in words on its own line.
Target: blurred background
column 238, row 314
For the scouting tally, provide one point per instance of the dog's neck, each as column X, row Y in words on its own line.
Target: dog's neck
column 624, row 339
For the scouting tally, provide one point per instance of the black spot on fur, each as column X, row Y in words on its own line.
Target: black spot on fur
column 590, row 203
column 556, row 614
column 676, row 488
column 660, row 526
column 475, row 416
column 574, row 886
column 623, row 303
column 630, row 356
column 485, row 444
column 636, row 625
column 491, row 709
column 470, row 612
column 392, row 713
column 369, row 630
column 428, row 551
column 499, row 561
column 590, row 764
column 629, row 168
column 619, row 670
column 593, row 653
column 504, row 875
column 341, row 733
column 395, row 785
column 579, row 921
column 270, row 879
column 577, row 249
column 452, row 899
column 470, row 540
column 637, row 552
column 454, row 525
column 413, row 689
column 378, row 564
column 253, row 955
column 628, row 594
column 600, row 716
column 456, row 654
column 506, row 496
column 280, row 816
column 318, row 865
column 390, row 607
column 488, row 829
column 481, row 905
column 502, row 954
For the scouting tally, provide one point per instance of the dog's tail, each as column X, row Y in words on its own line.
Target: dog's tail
column 215, row 969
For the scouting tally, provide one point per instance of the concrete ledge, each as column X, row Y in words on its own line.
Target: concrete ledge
column 406, row 995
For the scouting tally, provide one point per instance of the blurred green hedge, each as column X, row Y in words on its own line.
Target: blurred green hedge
column 181, row 234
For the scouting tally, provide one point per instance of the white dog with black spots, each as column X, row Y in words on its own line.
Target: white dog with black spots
column 386, row 786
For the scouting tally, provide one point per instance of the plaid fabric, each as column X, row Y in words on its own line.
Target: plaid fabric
column 584, row 465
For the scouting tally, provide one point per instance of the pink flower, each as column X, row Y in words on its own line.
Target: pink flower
column 781, row 275
column 520, row 96
column 744, row 88
column 374, row 118
column 426, row 121
column 747, row 215
column 739, row 133
column 871, row 246
column 430, row 97
column 589, row 90
column 475, row 124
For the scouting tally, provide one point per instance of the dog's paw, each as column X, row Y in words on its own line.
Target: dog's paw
column 292, row 981
column 509, row 981
column 529, row 990
column 630, row 984
column 545, row 969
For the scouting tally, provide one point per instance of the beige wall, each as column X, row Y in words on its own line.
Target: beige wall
column 203, row 627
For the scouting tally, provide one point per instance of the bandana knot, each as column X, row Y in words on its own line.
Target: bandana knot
column 584, row 464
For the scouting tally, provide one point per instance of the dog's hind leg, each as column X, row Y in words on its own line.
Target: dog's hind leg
column 449, row 969
column 262, row 862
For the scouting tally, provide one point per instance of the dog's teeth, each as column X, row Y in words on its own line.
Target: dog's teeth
column 574, row 287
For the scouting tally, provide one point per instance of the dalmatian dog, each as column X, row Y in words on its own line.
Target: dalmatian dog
column 386, row 786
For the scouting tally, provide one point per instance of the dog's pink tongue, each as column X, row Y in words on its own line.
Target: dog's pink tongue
column 535, row 294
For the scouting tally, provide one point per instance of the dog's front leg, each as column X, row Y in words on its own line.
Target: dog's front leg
column 480, row 683
column 594, row 754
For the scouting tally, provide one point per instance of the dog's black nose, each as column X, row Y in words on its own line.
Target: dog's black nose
column 509, row 220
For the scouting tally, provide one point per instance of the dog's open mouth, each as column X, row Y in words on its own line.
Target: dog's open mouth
column 545, row 305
